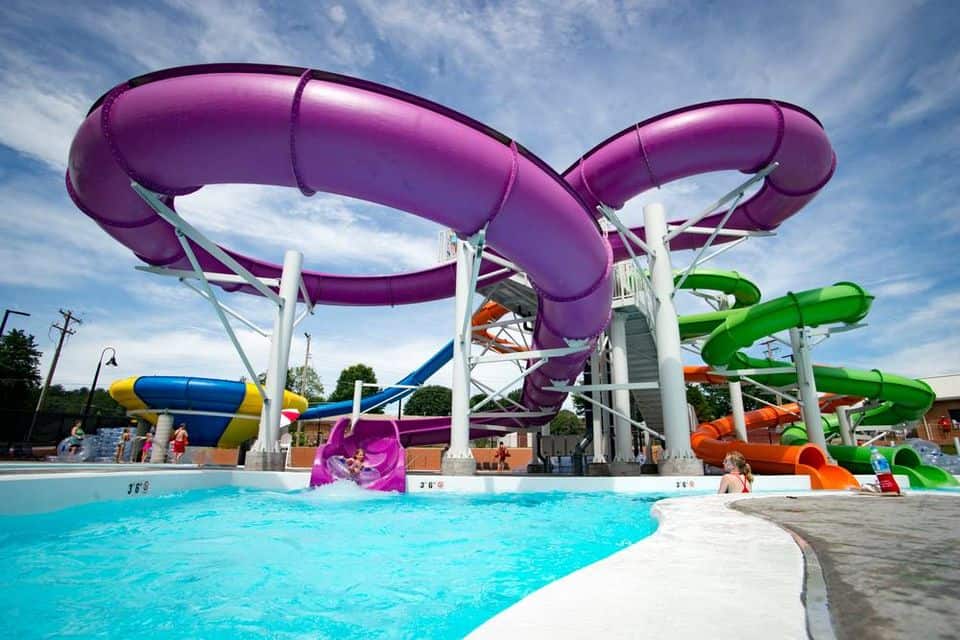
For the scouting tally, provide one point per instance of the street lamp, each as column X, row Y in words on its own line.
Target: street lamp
column 6, row 313
column 112, row 362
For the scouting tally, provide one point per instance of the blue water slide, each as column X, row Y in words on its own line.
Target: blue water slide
column 417, row 377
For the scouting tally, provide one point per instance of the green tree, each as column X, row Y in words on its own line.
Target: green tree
column 314, row 387
column 430, row 400
column 19, row 370
column 514, row 395
column 61, row 400
column 305, row 381
column 345, row 383
column 566, row 423
column 709, row 401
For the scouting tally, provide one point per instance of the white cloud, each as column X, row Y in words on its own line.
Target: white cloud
column 337, row 14
column 922, row 359
column 899, row 287
column 328, row 229
column 49, row 244
column 40, row 117
column 934, row 88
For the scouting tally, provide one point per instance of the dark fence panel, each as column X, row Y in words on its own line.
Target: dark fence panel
column 51, row 427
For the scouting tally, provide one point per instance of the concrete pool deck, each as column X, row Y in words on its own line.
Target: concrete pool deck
column 889, row 564
column 712, row 570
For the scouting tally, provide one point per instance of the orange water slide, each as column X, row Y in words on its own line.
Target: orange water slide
column 491, row 312
column 807, row 459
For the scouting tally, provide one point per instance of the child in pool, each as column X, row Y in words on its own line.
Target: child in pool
column 355, row 464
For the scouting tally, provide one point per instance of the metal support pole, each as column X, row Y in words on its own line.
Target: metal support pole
column 458, row 459
column 677, row 457
column 605, row 399
column 621, row 397
column 809, row 403
column 599, row 446
column 357, row 397
column 736, row 406
column 267, row 446
column 846, row 430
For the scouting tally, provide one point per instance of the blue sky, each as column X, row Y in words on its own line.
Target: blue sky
column 558, row 78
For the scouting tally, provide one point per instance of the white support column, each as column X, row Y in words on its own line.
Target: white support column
column 458, row 459
column 599, row 444
column 265, row 453
column 846, row 430
column 621, row 397
column 809, row 403
column 736, row 407
column 606, row 399
column 158, row 451
column 677, row 457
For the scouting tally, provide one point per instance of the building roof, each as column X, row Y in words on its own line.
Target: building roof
column 947, row 386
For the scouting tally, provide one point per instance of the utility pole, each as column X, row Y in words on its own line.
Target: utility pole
column 306, row 363
column 65, row 330
column 303, row 387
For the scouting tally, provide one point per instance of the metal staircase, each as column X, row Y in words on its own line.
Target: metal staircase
column 642, row 367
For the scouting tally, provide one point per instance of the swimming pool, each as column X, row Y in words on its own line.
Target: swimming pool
column 241, row 563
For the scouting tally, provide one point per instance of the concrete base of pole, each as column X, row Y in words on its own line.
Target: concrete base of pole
column 158, row 450
column 264, row 461
column 681, row 467
column 624, row 468
column 458, row 466
column 598, row 469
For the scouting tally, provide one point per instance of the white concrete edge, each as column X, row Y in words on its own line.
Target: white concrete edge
column 672, row 485
column 37, row 493
column 707, row 571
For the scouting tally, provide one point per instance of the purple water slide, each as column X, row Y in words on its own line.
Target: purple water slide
column 729, row 135
column 417, row 431
column 386, row 464
column 179, row 129
column 176, row 130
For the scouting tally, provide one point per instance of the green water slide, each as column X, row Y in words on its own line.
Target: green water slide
column 745, row 294
column 901, row 399
column 904, row 461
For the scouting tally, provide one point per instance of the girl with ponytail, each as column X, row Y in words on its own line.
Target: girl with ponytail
column 738, row 477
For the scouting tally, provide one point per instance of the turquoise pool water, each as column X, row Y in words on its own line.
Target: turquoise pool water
column 334, row 563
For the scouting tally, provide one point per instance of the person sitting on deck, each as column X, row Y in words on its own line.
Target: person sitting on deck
column 738, row 477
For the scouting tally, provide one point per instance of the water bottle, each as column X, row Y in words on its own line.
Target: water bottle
column 878, row 462
column 881, row 468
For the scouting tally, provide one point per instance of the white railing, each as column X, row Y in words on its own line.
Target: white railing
column 630, row 289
